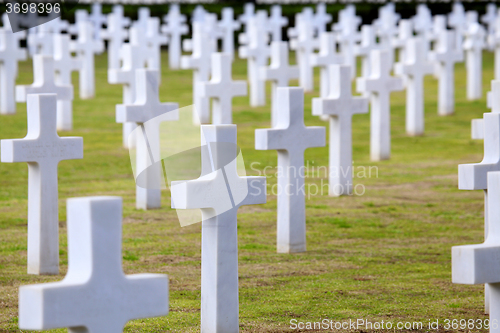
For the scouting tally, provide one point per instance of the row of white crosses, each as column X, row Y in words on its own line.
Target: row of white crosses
column 476, row 264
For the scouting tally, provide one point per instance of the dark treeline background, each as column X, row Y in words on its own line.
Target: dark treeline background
column 368, row 11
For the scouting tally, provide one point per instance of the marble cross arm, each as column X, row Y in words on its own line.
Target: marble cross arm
column 116, row 75
column 337, row 107
column 476, row 264
column 274, row 139
column 189, row 62
column 95, row 293
column 474, row 176
column 480, row 263
column 276, row 74
column 135, row 113
column 22, row 92
column 26, row 150
column 237, row 88
column 206, row 192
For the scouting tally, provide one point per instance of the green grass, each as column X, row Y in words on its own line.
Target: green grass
column 385, row 255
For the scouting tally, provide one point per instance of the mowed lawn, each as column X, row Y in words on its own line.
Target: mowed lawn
column 384, row 255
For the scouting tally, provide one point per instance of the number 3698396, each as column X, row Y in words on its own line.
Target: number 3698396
column 40, row 8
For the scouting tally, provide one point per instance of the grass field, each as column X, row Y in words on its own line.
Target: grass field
column 384, row 255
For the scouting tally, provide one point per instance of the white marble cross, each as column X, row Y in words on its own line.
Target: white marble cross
column 348, row 39
column 347, row 19
column 304, row 45
column 221, row 88
column 42, row 149
column 44, row 83
column 321, row 18
column 405, row 32
column 86, row 47
column 198, row 14
column 200, row 62
column 339, row 106
column 143, row 16
column 387, row 28
column 154, row 41
column 98, row 19
column 174, row 28
column 95, row 295
column 457, row 21
column 81, row 15
column 257, row 52
column 445, row 55
column 40, row 42
column 494, row 44
column 64, row 64
column 146, row 112
column 276, row 23
column 422, row 21
column 132, row 60
column 364, row 49
column 248, row 13
column 379, row 86
column 327, row 56
column 115, row 33
column 490, row 17
column 10, row 54
column 280, row 73
column 477, row 125
column 474, row 44
column 290, row 137
column 478, row 264
column 475, row 177
column 219, row 192
column 228, row 25
column 414, row 68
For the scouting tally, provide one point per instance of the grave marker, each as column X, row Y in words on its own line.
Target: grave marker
column 115, row 34
column 219, row 192
column 415, row 67
column 132, row 60
column 304, row 45
column 475, row 177
column 221, row 88
column 199, row 61
column 327, row 56
column 445, row 56
column 147, row 108
column 290, row 137
column 95, row 295
column 364, row 49
column 339, row 106
column 98, row 19
column 473, row 45
column 276, row 23
column 175, row 27
column 256, row 51
column 228, row 26
column 85, row 47
column 457, row 21
column 44, row 83
column 42, row 149
column 10, row 54
column 379, row 87
column 280, row 73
